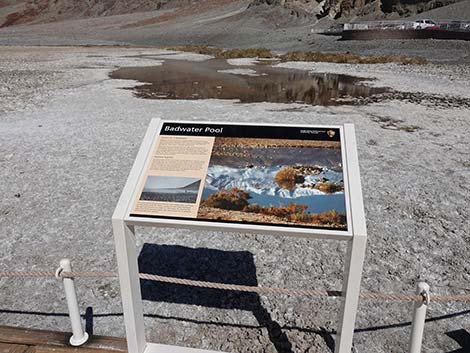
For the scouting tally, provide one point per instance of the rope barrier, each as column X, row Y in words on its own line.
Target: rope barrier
column 235, row 287
column 27, row 274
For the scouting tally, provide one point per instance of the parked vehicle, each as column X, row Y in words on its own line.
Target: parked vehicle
column 423, row 24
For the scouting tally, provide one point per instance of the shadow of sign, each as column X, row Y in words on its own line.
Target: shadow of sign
column 202, row 264
column 462, row 337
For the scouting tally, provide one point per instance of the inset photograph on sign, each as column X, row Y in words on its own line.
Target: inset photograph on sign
column 284, row 176
column 170, row 189
column 275, row 181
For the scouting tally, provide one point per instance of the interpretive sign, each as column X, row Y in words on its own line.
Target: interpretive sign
column 269, row 175
column 273, row 179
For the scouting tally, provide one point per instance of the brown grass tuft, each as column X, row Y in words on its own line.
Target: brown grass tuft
column 287, row 177
column 298, row 214
column 313, row 56
column 291, row 213
column 332, row 217
column 199, row 49
column 328, row 187
column 247, row 53
column 348, row 58
column 234, row 199
column 226, row 54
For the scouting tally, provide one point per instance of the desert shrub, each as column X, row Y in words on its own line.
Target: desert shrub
column 292, row 212
column 349, row 58
column 331, row 217
column 301, row 217
column 199, row 49
column 234, row 199
column 247, row 53
column 328, row 187
column 254, row 208
column 225, row 54
column 287, row 177
column 298, row 213
column 315, row 56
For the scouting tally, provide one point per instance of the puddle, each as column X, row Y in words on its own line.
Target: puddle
column 216, row 79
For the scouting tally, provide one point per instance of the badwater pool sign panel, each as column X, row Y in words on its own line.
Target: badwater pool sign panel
column 282, row 180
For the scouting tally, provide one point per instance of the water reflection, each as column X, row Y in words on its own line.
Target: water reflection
column 177, row 79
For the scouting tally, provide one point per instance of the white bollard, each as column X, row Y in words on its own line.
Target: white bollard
column 79, row 336
column 419, row 317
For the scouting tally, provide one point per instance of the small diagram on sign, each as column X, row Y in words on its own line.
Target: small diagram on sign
column 171, row 189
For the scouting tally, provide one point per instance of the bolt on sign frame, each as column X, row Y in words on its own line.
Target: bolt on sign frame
column 124, row 221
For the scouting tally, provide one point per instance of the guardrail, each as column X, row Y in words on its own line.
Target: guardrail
column 449, row 25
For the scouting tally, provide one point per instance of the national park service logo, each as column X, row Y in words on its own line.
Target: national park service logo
column 331, row 133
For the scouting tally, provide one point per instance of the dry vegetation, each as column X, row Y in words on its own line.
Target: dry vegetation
column 314, row 56
column 298, row 214
column 226, row 54
column 349, row 58
column 233, row 199
column 221, row 143
column 329, row 187
column 237, row 200
column 287, row 177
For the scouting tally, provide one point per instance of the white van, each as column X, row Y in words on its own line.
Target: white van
column 422, row 24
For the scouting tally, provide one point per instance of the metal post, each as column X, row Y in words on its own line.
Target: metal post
column 419, row 317
column 79, row 336
column 351, row 290
column 128, row 267
column 356, row 251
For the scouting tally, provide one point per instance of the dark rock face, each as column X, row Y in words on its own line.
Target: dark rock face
column 410, row 7
column 336, row 9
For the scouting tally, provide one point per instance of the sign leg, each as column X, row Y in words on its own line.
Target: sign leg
column 126, row 253
column 351, row 290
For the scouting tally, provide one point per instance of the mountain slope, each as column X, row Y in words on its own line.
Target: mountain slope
column 459, row 11
column 352, row 8
column 193, row 186
column 40, row 11
column 283, row 12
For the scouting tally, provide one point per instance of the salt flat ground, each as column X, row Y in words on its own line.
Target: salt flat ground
column 68, row 137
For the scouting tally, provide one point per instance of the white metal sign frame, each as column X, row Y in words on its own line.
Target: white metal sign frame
column 124, row 235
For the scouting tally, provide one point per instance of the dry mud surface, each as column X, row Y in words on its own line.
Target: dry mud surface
column 68, row 138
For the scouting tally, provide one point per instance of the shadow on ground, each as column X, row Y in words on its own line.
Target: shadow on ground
column 202, row 264
column 231, row 267
column 462, row 337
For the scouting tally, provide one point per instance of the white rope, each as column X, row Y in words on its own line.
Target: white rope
column 235, row 287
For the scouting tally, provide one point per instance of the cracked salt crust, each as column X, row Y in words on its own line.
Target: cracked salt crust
column 68, row 140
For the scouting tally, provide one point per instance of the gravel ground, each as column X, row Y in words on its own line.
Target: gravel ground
column 68, row 137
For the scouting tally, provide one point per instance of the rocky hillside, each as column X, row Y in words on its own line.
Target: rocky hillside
column 285, row 12
column 358, row 8
column 33, row 11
